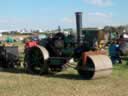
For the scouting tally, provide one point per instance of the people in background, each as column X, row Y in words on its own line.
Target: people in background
column 118, row 58
column 29, row 43
column 114, row 52
column 101, row 44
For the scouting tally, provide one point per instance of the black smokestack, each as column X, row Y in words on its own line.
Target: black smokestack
column 79, row 26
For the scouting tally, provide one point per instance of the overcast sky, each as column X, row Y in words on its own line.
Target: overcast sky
column 48, row 14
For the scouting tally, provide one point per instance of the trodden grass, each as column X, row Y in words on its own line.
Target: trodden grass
column 66, row 83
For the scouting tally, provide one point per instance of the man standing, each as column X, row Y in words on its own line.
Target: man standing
column 114, row 52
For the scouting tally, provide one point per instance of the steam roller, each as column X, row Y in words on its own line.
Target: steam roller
column 55, row 53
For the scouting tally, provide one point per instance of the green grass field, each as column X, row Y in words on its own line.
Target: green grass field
column 66, row 83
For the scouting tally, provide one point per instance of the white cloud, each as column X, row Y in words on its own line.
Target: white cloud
column 99, row 2
column 12, row 21
column 90, row 19
column 19, row 23
column 100, row 14
column 98, row 19
column 68, row 20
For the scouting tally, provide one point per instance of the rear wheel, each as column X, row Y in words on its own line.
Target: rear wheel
column 35, row 61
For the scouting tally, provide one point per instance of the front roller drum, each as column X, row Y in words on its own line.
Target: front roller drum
column 36, row 60
column 96, row 66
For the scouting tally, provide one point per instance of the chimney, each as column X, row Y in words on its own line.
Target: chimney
column 79, row 26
